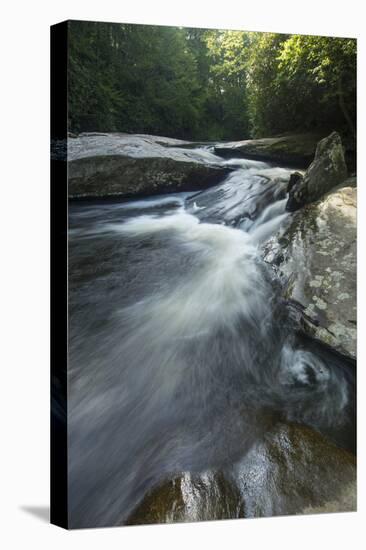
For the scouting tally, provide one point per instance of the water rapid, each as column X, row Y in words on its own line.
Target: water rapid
column 181, row 352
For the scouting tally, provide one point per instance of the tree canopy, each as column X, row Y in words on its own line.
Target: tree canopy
column 208, row 84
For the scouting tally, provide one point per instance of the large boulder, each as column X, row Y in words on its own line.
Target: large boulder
column 290, row 150
column 315, row 258
column 123, row 165
column 327, row 170
column 117, row 175
column 292, row 470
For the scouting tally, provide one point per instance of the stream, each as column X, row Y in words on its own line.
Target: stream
column 181, row 352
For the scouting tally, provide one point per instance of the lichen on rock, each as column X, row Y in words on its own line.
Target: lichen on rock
column 315, row 258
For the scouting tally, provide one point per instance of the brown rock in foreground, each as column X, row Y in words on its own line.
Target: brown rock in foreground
column 294, row 470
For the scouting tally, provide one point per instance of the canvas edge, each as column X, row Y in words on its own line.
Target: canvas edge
column 58, row 254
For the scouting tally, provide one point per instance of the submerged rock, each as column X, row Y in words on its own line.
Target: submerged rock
column 295, row 150
column 102, row 165
column 243, row 197
column 204, row 497
column 293, row 471
column 315, row 258
column 327, row 170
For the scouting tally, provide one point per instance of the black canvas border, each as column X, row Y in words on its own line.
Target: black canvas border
column 59, row 323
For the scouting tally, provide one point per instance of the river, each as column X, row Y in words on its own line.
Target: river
column 181, row 351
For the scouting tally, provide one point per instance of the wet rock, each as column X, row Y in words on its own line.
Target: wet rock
column 202, row 497
column 295, row 179
column 295, row 470
column 292, row 470
column 315, row 258
column 292, row 150
column 116, row 175
column 243, row 196
column 327, row 170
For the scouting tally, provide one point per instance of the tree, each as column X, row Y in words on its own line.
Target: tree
column 208, row 84
column 301, row 82
column 326, row 67
column 227, row 53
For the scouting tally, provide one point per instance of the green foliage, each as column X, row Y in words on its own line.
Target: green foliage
column 208, row 84
column 327, row 68
column 266, row 102
column 131, row 78
column 301, row 83
column 227, row 52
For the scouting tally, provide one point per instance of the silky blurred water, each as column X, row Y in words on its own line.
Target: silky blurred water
column 181, row 354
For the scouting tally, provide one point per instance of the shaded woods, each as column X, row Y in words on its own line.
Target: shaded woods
column 204, row 84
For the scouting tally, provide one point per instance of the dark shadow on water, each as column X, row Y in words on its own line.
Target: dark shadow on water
column 40, row 512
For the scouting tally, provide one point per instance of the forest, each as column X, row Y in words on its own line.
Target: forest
column 202, row 84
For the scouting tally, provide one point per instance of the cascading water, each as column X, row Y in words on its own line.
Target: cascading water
column 181, row 353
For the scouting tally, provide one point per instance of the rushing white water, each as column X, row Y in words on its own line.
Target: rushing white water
column 261, row 233
column 179, row 343
column 221, row 290
column 242, row 196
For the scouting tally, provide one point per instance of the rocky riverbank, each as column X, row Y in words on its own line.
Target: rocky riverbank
column 315, row 254
column 125, row 165
column 296, row 150
column 291, row 150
